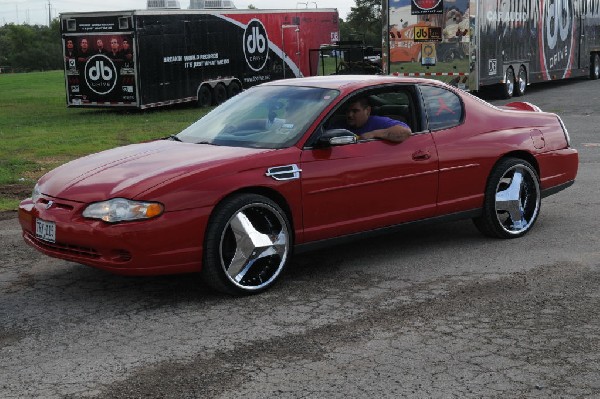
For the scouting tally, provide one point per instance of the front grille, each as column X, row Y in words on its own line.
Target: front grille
column 56, row 204
column 74, row 250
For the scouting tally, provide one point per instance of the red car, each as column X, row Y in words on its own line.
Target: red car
column 264, row 175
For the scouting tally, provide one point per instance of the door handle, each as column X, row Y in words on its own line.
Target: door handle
column 421, row 155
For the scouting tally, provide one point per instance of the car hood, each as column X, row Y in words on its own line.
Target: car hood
column 130, row 170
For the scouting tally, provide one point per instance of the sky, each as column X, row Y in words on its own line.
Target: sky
column 36, row 11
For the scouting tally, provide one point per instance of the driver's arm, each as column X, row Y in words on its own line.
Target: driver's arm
column 396, row 133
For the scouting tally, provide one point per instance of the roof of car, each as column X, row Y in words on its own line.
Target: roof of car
column 347, row 81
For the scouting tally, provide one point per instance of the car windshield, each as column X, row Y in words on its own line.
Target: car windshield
column 261, row 117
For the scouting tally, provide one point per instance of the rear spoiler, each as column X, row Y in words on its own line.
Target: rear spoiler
column 521, row 106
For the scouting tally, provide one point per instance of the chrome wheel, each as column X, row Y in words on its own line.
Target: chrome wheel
column 517, row 199
column 521, row 82
column 595, row 67
column 509, row 83
column 247, row 245
column 512, row 200
column 254, row 246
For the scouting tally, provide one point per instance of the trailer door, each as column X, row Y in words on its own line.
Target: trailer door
column 291, row 47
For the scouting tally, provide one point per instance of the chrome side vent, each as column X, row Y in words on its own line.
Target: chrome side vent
column 287, row 172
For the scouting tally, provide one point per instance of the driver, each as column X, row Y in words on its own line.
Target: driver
column 360, row 122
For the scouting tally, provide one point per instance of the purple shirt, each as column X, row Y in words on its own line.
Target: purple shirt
column 375, row 123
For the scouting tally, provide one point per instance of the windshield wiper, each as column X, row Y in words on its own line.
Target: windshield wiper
column 173, row 137
column 205, row 142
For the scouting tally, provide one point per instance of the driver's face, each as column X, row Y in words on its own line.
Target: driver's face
column 356, row 115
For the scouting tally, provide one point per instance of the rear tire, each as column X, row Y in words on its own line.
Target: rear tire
column 521, row 82
column 595, row 66
column 220, row 94
column 233, row 89
column 512, row 200
column 247, row 245
column 204, row 96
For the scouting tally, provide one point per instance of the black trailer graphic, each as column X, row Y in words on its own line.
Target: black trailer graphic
column 509, row 43
column 148, row 58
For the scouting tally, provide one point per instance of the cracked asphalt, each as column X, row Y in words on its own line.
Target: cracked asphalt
column 430, row 312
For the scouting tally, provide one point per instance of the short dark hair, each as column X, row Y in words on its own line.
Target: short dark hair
column 363, row 101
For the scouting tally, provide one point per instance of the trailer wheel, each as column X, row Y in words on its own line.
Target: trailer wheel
column 595, row 66
column 233, row 89
column 508, row 88
column 204, row 96
column 220, row 94
column 521, row 82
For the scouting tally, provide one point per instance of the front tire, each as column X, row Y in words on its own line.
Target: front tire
column 247, row 245
column 512, row 200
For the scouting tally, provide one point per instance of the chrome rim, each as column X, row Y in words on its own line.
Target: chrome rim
column 254, row 246
column 510, row 83
column 522, row 81
column 517, row 199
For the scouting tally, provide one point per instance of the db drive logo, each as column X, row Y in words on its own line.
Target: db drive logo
column 256, row 45
column 100, row 74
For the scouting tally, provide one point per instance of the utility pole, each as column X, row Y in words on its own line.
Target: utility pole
column 49, row 14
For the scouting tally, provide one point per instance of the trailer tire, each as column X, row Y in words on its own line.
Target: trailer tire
column 204, row 96
column 521, row 82
column 508, row 87
column 595, row 66
column 220, row 94
column 233, row 89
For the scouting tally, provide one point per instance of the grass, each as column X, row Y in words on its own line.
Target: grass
column 38, row 132
column 327, row 64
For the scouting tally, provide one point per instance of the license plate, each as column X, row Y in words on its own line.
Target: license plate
column 45, row 230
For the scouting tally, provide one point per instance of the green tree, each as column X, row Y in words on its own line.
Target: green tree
column 364, row 23
column 31, row 47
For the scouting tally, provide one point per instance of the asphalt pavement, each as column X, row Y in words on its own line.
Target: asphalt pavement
column 430, row 312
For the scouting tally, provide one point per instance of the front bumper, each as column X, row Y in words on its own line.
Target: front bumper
column 169, row 244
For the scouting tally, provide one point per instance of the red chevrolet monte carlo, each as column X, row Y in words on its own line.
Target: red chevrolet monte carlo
column 270, row 171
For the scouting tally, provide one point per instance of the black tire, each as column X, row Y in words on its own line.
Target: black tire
column 595, row 66
column 220, row 94
column 512, row 200
column 204, row 96
column 508, row 87
column 247, row 245
column 521, row 82
column 233, row 89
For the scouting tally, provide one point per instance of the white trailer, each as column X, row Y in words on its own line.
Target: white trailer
column 477, row 43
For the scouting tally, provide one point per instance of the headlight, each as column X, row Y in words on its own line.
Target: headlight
column 36, row 193
column 121, row 210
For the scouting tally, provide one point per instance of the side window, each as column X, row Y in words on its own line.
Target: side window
column 444, row 108
column 395, row 97
column 392, row 104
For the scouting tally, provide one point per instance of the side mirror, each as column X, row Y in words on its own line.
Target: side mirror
column 335, row 137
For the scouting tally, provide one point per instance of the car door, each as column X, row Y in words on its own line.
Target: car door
column 461, row 177
column 368, row 185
